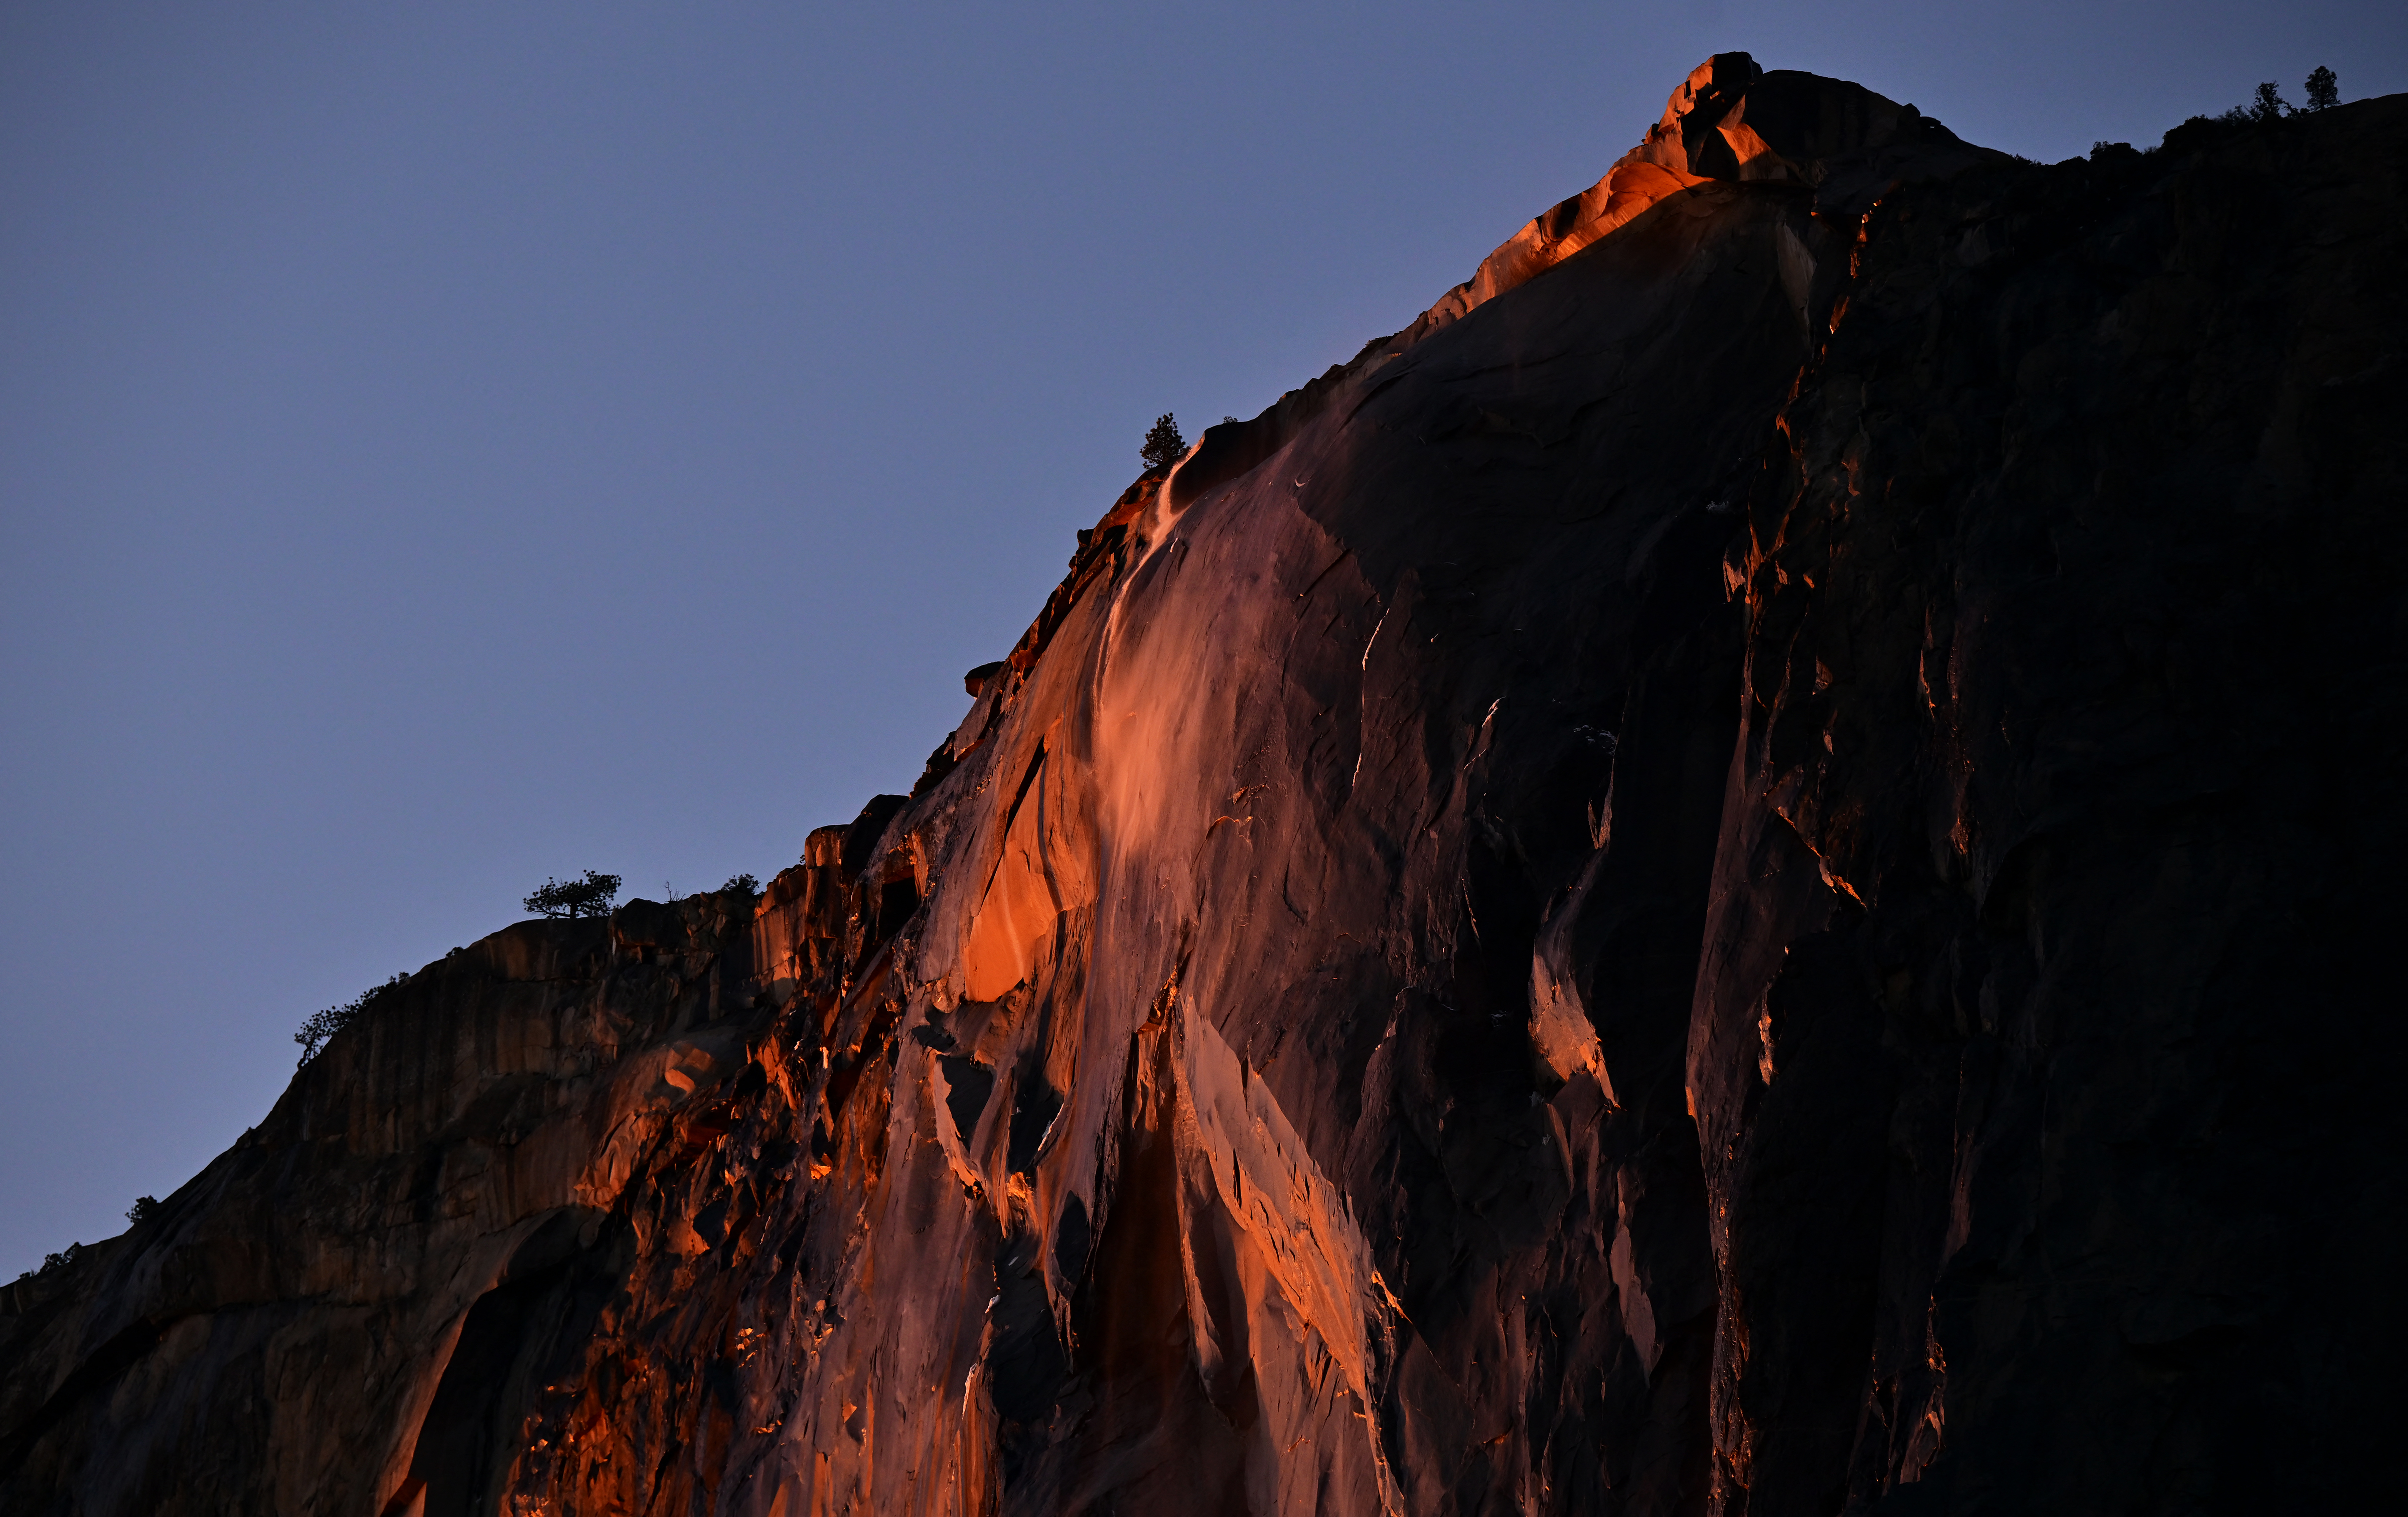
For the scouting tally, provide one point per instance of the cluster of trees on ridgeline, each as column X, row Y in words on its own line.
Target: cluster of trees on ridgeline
column 2267, row 105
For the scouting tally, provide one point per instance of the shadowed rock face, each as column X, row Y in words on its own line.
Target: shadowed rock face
column 1745, row 873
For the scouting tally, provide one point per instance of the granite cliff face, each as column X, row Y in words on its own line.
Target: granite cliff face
column 1746, row 871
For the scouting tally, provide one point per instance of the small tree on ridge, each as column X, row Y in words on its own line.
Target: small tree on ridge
column 2324, row 88
column 589, row 897
column 322, row 1025
column 1164, row 446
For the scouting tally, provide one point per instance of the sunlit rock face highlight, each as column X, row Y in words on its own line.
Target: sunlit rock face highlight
column 1731, row 120
column 1744, row 872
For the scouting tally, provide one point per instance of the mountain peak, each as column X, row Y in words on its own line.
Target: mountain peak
column 1728, row 119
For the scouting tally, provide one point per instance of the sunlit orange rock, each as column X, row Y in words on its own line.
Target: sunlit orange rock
column 1746, row 871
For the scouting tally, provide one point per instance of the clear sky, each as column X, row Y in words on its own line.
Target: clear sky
column 445, row 446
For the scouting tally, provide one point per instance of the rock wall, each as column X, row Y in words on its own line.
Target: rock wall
column 1744, row 872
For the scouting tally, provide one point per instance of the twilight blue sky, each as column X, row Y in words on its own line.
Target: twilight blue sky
column 442, row 446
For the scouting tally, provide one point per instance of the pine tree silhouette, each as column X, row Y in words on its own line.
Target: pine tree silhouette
column 2324, row 88
column 1164, row 446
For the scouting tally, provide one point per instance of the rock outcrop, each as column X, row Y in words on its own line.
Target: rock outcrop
column 1747, row 871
